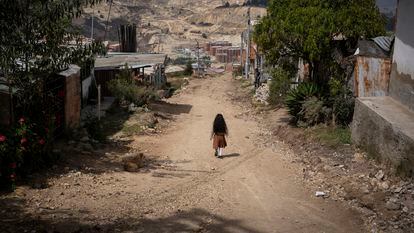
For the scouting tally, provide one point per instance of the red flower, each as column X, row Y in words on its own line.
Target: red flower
column 13, row 165
column 21, row 121
column 23, row 141
column 42, row 141
column 2, row 138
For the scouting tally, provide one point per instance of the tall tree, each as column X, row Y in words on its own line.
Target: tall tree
column 306, row 28
column 37, row 39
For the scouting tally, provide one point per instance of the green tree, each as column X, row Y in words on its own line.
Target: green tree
column 37, row 40
column 306, row 28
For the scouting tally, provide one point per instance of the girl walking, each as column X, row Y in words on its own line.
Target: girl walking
column 219, row 134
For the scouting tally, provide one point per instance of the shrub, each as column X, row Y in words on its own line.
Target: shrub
column 238, row 71
column 125, row 90
column 188, row 68
column 313, row 112
column 296, row 97
column 342, row 101
column 95, row 128
column 181, row 60
column 343, row 109
column 24, row 148
column 279, row 86
column 309, row 106
column 129, row 93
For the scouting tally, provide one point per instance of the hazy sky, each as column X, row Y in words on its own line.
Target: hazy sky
column 387, row 4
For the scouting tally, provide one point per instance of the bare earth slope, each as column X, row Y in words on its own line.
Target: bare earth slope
column 167, row 24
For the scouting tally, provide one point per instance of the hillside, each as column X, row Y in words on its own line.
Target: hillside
column 164, row 25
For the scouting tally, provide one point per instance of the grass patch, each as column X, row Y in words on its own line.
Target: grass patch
column 131, row 130
column 332, row 136
column 246, row 83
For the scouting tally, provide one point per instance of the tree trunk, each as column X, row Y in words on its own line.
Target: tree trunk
column 11, row 102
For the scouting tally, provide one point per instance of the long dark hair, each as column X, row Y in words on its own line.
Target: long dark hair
column 219, row 125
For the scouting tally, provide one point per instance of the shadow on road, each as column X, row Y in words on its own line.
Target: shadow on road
column 165, row 107
column 230, row 155
column 14, row 218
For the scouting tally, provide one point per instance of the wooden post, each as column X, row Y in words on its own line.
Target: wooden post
column 99, row 102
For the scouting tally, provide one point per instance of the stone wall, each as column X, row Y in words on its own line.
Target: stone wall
column 72, row 96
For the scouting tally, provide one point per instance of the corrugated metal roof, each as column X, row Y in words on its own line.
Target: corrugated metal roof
column 384, row 42
column 369, row 48
column 117, row 60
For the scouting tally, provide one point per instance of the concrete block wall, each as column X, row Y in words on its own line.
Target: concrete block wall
column 385, row 130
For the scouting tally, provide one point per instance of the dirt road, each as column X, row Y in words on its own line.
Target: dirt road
column 252, row 189
column 186, row 189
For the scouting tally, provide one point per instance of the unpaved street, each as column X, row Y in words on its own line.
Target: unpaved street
column 186, row 189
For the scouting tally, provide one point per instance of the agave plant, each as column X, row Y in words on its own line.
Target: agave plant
column 296, row 97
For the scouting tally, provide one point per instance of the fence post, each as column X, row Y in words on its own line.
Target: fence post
column 99, row 102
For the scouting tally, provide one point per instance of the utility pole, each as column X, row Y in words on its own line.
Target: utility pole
column 248, row 45
column 198, row 58
column 241, row 51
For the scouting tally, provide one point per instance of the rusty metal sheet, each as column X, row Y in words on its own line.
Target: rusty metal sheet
column 372, row 76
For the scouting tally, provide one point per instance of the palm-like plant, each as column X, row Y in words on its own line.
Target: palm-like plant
column 296, row 97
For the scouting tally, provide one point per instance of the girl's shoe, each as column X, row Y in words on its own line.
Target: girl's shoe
column 216, row 153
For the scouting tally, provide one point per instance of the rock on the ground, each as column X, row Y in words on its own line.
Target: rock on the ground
column 133, row 162
column 385, row 185
column 365, row 189
column 132, row 108
column 149, row 119
column 398, row 190
column 262, row 93
column 380, row 175
column 85, row 139
column 393, row 204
